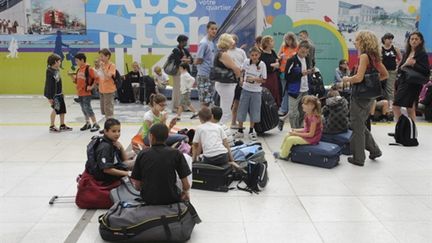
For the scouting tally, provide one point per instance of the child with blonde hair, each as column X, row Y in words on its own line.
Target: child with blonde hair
column 310, row 134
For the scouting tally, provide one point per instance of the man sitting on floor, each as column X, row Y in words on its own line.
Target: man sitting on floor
column 155, row 170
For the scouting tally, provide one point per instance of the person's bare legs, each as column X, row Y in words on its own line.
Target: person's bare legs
column 412, row 112
column 179, row 110
column 234, row 110
column 52, row 117
column 397, row 112
column 192, row 108
column 62, row 119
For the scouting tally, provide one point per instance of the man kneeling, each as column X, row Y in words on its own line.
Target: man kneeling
column 155, row 170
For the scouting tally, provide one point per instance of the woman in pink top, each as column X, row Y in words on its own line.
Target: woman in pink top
column 310, row 134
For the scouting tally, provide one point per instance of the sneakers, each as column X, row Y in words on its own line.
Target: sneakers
column 64, row 128
column 53, row 129
column 276, row 155
column 85, row 127
column 280, row 125
column 253, row 136
column 280, row 113
column 195, row 115
column 95, row 128
column 238, row 135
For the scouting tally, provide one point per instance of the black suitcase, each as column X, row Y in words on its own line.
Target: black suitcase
column 269, row 113
column 126, row 94
column 211, row 177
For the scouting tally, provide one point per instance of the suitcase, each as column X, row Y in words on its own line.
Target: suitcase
column 325, row 155
column 269, row 113
column 341, row 139
column 245, row 152
column 126, row 94
column 211, row 177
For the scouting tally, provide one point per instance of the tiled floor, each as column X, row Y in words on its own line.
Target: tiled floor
column 388, row 200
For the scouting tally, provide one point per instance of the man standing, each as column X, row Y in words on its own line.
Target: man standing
column 304, row 36
column 204, row 61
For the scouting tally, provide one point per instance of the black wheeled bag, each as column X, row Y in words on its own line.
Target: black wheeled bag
column 211, row 177
column 269, row 113
column 325, row 155
column 137, row 222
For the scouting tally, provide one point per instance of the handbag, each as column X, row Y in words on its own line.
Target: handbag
column 222, row 75
column 170, row 67
column 413, row 77
column 370, row 87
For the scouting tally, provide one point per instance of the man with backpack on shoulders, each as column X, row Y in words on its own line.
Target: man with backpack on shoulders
column 84, row 81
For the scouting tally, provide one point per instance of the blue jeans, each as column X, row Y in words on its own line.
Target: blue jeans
column 86, row 108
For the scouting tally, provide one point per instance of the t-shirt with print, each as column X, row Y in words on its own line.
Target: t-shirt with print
column 206, row 51
column 186, row 82
column 253, row 70
column 304, row 86
column 81, row 83
column 210, row 136
column 107, row 156
column 156, row 168
column 308, row 121
column 106, row 82
column 151, row 117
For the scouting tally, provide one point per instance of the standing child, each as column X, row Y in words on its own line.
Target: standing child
column 107, row 86
column 54, row 93
column 310, row 134
column 186, row 83
column 84, row 80
column 254, row 74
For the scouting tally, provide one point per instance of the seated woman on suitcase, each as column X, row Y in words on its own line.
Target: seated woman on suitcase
column 310, row 134
column 110, row 156
column 154, row 173
column 211, row 140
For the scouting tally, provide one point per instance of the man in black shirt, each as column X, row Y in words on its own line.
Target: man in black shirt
column 155, row 170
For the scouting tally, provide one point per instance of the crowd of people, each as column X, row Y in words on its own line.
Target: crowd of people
column 238, row 78
column 8, row 26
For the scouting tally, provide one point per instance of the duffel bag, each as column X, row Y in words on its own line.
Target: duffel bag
column 93, row 194
column 137, row 222
column 126, row 192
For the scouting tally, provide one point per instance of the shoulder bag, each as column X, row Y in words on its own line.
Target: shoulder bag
column 370, row 87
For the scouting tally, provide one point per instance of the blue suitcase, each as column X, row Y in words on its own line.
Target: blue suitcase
column 325, row 155
column 341, row 139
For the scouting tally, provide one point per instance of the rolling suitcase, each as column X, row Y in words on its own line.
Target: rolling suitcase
column 211, row 177
column 269, row 113
column 325, row 155
column 341, row 139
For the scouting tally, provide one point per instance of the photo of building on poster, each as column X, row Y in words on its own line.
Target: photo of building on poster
column 42, row 17
column 399, row 17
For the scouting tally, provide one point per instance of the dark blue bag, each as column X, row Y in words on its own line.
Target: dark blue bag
column 325, row 155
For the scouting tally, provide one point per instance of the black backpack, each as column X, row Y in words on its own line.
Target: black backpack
column 256, row 177
column 316, row 85
column 118, row 80
column 91, row 153
column 405, row 132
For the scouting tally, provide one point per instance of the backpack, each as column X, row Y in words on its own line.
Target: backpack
column 256, row 177
column 405, row 132
column 91, row 153
column 316, row 85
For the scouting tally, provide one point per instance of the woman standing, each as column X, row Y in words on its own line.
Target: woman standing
column 269, row 57
column 224, row 89
column 288, row 49
column 181, row 55
column 415, row 57
column 391, row 55
column 369, row 54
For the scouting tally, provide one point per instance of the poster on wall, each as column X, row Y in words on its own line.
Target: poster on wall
column 399, row 17
column 46, row 17
column 12, row 17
